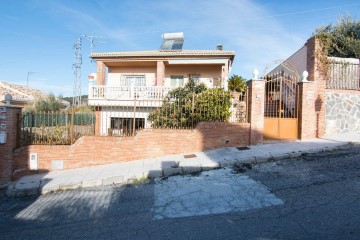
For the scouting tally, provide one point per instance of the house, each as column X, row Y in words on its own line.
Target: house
column 21, row 95
column 143, row 78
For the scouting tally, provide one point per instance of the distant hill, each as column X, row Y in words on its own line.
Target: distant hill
column 84, row 99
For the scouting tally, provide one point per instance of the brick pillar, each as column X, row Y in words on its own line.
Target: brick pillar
column 101, row 73
column 307, row 118
column 256, row 110
column 98, row 121
column 9, row 118
column 160, row 73
column 317, row 77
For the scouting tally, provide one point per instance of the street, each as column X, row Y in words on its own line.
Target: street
column 314, row 196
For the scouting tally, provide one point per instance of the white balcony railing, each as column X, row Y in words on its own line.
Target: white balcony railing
column 127, row 92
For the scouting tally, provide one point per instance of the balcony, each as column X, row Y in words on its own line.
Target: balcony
column 123, row 95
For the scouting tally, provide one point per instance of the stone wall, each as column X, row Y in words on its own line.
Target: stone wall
column 342, row 111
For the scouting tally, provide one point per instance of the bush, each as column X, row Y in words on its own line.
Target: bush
column 188, row 105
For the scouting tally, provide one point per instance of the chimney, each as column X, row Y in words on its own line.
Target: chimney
column 219, row 47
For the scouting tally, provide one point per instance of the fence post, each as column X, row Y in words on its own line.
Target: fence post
column 192, row 111
column 134, row 120
column 72, row 126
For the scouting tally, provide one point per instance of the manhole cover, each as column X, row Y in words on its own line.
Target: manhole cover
column 242, row 148
column 190, row 156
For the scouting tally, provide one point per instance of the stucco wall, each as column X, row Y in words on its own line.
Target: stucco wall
column 342, row 111
column 115, row 73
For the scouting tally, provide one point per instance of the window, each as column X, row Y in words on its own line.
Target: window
column 134, row 80
column 124, row 126
column 195, row 77
column 177, row 81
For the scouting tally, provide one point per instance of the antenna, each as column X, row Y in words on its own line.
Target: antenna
column 77, row 72
column 92, row 40
column 28, row 77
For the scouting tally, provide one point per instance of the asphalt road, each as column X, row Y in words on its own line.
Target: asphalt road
column 311, row 197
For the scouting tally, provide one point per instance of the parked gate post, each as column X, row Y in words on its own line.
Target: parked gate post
column 9, row 135
column 256, row 88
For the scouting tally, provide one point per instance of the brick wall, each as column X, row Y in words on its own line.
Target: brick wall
column 312, row 95
column 96, row 150
column 6, row 150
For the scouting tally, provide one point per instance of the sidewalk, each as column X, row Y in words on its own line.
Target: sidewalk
column 126, row 172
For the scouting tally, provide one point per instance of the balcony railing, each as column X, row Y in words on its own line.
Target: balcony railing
column 127, row 92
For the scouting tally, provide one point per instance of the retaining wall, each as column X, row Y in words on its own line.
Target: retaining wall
column 342, row 111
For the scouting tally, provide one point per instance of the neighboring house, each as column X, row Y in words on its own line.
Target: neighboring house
column 147, row 76
column 21, row 95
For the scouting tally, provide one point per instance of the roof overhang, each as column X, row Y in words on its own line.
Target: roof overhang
column 198, row 61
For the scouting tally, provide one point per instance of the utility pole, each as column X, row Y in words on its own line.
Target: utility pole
column 77, row 73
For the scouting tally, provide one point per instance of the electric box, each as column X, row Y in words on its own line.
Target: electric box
column 33, row 161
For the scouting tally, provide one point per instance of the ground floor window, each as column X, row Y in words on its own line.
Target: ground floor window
column 125, row 126
column 177, row 81
column 195, row 77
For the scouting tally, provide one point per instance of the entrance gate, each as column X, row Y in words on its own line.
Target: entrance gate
column 281, row 106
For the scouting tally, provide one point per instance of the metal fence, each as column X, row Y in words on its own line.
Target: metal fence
column 56, row 128
column 127, row 117
column 343, row 75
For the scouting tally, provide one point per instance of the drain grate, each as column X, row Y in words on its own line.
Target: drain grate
column 190, row 156
column 242, row 148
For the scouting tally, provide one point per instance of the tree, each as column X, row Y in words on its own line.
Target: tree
column 237, row 84
column 50, row 103
column 342, row 39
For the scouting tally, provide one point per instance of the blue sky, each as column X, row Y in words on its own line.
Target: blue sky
column 38, row 35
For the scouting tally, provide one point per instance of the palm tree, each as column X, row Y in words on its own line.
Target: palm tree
column 237, row 84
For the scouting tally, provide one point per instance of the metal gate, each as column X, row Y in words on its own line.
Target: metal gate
column 281, row 106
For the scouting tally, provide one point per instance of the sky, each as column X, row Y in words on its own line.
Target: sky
column 37, row 36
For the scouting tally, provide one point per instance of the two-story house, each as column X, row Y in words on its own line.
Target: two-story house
column 130, row 85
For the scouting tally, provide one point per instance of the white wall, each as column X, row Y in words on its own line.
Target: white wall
column 298, row 60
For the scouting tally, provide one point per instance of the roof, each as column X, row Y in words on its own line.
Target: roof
column 19, row 93
column 162, row 53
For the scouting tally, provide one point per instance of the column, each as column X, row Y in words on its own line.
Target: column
column 160, row 73
column 256, row 108
column 9, row 126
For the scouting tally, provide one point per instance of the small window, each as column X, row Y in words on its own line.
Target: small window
column 124, row 126
column 177, row 81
